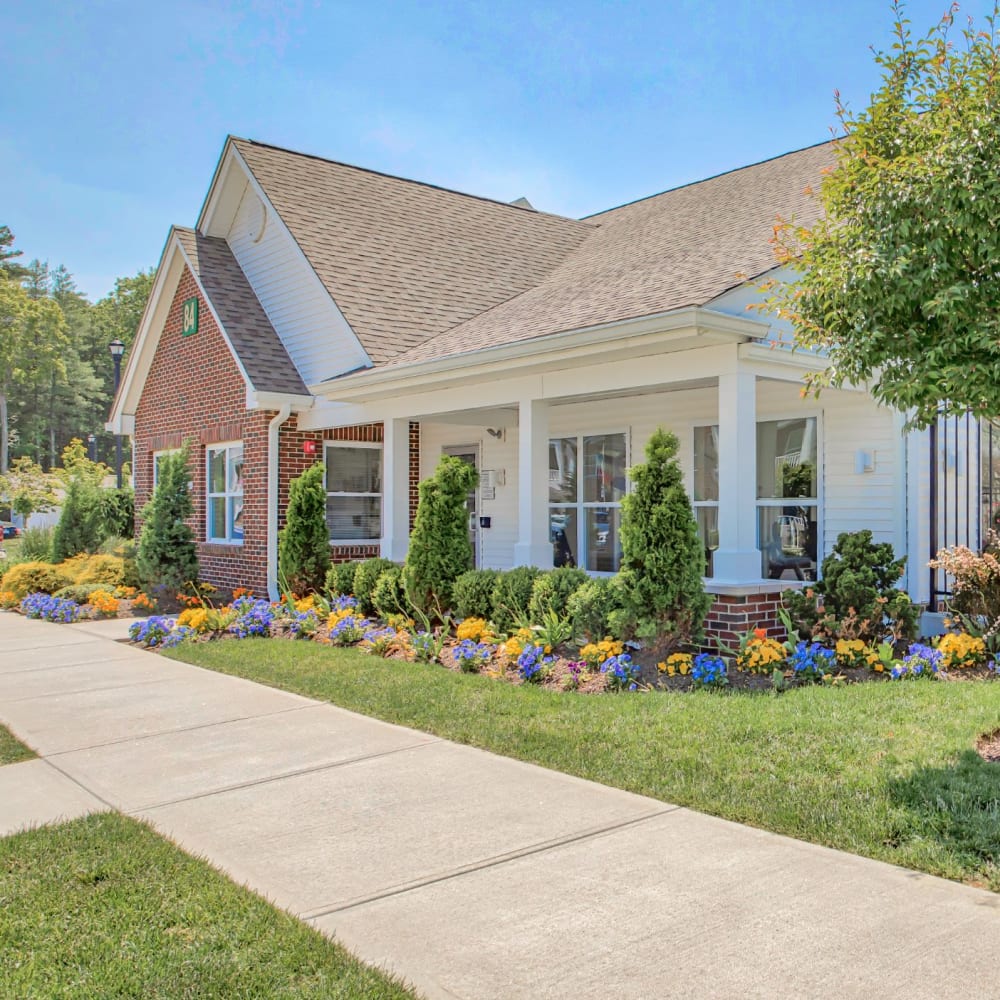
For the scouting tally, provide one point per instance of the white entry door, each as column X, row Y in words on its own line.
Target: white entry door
column 469, row 453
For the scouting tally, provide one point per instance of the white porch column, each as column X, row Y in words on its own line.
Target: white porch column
column 533, row 546
column 738, row 558
column 395, row 489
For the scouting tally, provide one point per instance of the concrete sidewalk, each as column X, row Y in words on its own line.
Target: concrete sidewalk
column 470, row 875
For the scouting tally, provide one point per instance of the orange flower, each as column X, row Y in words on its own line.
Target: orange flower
column 760, row 633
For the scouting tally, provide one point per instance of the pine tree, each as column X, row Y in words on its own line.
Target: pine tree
column 304, row 542
column 663, row 560
column 440, row 550
column 167, row 557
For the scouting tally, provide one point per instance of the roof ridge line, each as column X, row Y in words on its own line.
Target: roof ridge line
column 405, row 180
column 705, row 180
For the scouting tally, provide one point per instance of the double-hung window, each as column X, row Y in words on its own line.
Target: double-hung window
column 224, row 476
column 586, row 486
column 353, row 492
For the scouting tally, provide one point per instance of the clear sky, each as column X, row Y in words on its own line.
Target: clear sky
column 113, row 114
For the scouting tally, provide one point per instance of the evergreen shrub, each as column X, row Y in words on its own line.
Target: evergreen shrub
column 472, row 594
column 440, row 550
column 34, row 578
column 365, row 577
column 663, row 559
column 551, row 592
column 512, row 596
column 389, row 594
column 340, row 578
column 594, row 609
column 167, row 558
column 304, row 542
column 80, row 527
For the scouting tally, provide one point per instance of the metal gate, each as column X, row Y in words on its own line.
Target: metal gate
column 964, row 489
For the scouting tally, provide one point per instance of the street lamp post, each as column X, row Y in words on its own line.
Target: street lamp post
column 117, row 349
column 92, row 441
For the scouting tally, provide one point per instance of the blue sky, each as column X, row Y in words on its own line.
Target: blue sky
column 112, row 115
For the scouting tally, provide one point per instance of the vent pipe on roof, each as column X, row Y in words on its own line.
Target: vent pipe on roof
column 523, row 203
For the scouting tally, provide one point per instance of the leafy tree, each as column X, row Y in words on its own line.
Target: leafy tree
column 304, row 542
column 167, row 557
column 76, row 464
column 663, row 560
column 32, row 340
column 26, row 488
column 440, row 550
column 897, row 280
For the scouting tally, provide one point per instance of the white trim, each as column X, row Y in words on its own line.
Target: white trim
column 354, row 542
column 223, row 446
column 273, row 476
column 162, row 452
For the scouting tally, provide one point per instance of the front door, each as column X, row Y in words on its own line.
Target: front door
column 469, row 453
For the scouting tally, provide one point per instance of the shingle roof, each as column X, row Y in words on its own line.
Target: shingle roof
column 681, row 248
column 406, row 261
column 258, row 347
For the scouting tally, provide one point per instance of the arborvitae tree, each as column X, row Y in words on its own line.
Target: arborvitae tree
column 304, row 542
column 167, row 557
column 80, row 527
column 663, row 560
column 440, row 550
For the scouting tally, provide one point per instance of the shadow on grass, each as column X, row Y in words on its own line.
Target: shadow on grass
column 958, row 807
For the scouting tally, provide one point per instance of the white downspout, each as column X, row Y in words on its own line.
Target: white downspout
column 273, row 466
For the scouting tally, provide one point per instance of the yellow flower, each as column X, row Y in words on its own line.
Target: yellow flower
column 472, row 628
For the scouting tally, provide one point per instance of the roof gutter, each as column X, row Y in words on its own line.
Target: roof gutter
column 703, row 322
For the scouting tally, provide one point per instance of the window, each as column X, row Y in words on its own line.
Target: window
column 705, row 495
column 225, row 492
column 158, row 457
column 787, row 498
column 353, row 492
column 586, row 485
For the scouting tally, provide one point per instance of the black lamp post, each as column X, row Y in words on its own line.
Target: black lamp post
column 92, row 441
column 117, row 349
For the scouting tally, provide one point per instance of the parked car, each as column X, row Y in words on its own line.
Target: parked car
column 10, row 530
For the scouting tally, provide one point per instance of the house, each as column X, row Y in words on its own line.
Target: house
column 322, row 311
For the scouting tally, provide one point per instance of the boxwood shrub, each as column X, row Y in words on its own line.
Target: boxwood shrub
column 365, row 578
column 473, row 594
column 552, row 591
column 340, row 578
column 512, row 595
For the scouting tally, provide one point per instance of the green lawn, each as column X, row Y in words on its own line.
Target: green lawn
column 104, row 907
column 12, row 749
column 887, row 770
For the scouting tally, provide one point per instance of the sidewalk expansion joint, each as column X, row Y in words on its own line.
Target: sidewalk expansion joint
column 63, row 666
column 495, row 862
column 55, row 645
column 80, row 784
column 270, row 778
column 179, row 729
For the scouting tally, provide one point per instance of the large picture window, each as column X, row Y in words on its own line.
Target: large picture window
column 586, row 486
column 353, row 492
column 787, row 498
column 224, row 476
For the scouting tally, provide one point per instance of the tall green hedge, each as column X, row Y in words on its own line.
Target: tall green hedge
column 304, row 542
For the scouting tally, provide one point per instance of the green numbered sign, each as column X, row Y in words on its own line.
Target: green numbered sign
column 190, row 324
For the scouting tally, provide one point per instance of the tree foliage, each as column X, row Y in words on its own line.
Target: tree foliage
column 897, row 282
column 663, row 560
column 440, row 550
column 80, row 527
column 304, row 542
column 167, row 557
column 26, row 488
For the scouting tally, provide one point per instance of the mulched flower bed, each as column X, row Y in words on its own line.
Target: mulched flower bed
column 988, row 747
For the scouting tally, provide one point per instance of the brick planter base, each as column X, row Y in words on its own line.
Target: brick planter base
column 736, row 610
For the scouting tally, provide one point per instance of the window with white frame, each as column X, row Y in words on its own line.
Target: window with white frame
column 353, row 492
column 158, row 457
column 705, row 491
column 224, row 477
column 787, row 495
column 586, row 485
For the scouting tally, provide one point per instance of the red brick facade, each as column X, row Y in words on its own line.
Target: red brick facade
column 731, row 615
column 194, row 392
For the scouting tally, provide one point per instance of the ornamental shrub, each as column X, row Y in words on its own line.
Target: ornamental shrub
column 551, row 592
column 663, row 559
column 340, row 579
column 856, row 597
column 389, row 594
column 79, row 592
column 472, row 594
column 116, row 510
column 80, row 527
column 96, row 569
column 35, row 578
column 512, row 595
column 440, row 550
column 167, row 558
column 304, row 541
column 365, row 577
column 592, row 609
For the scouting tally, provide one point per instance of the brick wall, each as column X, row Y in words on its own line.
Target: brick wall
column 732, row 615
column 195, row 392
